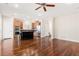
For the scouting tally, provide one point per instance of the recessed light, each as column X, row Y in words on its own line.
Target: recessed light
column 16, row 5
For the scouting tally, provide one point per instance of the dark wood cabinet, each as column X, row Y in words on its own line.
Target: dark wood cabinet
column 27, row 34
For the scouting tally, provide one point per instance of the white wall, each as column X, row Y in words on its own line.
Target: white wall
column 47, row 27
column 44, row 29
column 0, row 26
column 67, row 27
column 0, row 31
column 7, row 27
column 51, row 27
column 27, row 24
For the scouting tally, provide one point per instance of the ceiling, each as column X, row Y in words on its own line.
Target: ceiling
column 28, row 9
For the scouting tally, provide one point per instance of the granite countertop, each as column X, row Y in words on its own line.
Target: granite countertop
column 24, row 30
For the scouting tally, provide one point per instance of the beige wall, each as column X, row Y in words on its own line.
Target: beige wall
column 67, row 27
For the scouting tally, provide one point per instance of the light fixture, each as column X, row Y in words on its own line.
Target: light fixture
column 16, row 5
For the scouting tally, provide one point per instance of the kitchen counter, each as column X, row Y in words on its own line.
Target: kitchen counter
column 27, row 30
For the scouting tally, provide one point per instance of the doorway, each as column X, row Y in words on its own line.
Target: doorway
column 36, row 26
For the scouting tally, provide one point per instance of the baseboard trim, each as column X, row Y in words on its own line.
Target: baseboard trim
column 7, row 38
column 67, row 39
column 47, row 36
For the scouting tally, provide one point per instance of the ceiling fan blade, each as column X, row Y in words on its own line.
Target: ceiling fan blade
column 38, row 7
column 39, row 3
column 44, row 9
column 48, row 5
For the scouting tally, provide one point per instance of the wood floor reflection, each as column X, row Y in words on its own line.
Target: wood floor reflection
column 39, row 47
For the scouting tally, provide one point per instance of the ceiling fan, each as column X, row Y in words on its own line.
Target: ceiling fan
column 44, row 5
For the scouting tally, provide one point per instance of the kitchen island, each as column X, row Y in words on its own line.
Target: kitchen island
column 27, row 34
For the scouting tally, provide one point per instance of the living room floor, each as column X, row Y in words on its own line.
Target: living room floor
column 39, row 47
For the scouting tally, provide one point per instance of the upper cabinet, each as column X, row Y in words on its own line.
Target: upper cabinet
column 18, row 23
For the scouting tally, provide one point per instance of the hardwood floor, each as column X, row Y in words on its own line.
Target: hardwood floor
column 39, row 47
column 65, row 48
